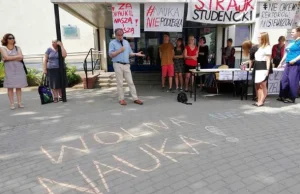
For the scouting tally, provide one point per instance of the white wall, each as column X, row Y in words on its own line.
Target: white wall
column 33, row 24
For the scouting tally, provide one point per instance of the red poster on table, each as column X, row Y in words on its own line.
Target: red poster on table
column 127, row 17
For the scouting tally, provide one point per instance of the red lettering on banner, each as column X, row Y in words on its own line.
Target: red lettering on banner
column 218, row 4
column 123, row 20
column 247, row 5
column 136, row 21
column 128, row 30
column 232, row 3
column 200, row 6
column 124, row 6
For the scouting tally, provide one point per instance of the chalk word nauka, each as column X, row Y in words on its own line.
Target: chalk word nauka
column 162, row 152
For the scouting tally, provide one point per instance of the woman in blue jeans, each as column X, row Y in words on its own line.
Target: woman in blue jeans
column 290, row 79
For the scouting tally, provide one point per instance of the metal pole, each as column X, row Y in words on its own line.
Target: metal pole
column 61, row 60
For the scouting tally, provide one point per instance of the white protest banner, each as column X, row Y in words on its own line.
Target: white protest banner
column 274, row 82
column 277, row 15
column 163, row 17
column 222, row 11
column 225, row 75
column 127, row 17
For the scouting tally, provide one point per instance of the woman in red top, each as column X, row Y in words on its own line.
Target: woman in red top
column 190, row 55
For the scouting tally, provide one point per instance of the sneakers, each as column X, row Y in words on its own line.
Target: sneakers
column 170, row 90
column 288, row 100
column 162, row 89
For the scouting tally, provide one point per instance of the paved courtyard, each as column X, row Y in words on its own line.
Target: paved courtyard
column 91, row 144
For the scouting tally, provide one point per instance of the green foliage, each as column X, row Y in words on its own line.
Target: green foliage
column 33, row 77
column 72, row 77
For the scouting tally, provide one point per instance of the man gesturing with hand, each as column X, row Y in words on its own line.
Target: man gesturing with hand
column 119, row 52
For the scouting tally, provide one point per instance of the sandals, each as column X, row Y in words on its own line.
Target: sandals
column 280, row 99
column 20, row 106
column 258, row 105
column 138, row 102
column 12, row 107
column 55, row 100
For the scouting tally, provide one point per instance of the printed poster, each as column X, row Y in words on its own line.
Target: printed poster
column 163, row 17
column 278, row 15
column 222, row 11
column 127, row 17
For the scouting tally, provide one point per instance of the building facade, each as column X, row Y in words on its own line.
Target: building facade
column 33, row 24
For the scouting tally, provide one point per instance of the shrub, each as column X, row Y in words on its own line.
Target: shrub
column 33, row 77
column 72, row 77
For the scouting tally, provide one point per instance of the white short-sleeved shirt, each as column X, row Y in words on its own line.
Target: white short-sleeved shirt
column 262, row 52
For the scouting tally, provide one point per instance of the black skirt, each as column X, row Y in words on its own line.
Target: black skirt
column 262, row 65
column 54, row 78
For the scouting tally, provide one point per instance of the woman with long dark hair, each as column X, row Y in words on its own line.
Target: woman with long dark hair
column 203, row 56
column 15, row 76
column 179, row 64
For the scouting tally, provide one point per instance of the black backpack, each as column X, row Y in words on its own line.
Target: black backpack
column 182, row 97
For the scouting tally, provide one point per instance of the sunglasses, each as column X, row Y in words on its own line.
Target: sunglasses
column 11, row 38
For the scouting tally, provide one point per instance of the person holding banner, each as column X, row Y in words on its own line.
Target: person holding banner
column 290, row 79
column 166, row 53
column 120, row 51
column 263, row 67
column 190, row 55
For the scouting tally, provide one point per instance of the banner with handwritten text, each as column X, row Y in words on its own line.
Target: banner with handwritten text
column 127, row 17
column 163, row 17
column 222, row 11
column 277, row 15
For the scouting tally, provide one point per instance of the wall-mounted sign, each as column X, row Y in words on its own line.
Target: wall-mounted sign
column 71, row 32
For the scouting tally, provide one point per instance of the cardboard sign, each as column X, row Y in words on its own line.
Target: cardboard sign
column 277, row 15
column 225, row 75
column 127, row 17
column 163, row 17
column 274, row 82
column 222, row 11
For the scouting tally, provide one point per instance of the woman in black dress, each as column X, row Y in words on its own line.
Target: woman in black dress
column 203, row 55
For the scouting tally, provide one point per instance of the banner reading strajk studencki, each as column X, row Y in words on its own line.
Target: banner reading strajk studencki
column 222, row 11
column 164, row 17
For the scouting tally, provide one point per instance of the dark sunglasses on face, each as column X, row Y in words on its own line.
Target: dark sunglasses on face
column 11, row 38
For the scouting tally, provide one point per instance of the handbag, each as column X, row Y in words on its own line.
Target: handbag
column 44, row 91
column 22, row 61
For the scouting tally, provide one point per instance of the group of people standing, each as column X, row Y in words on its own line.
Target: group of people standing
column 15, row 69
column 179, row 60
column 263, row 58
column 176, row 61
